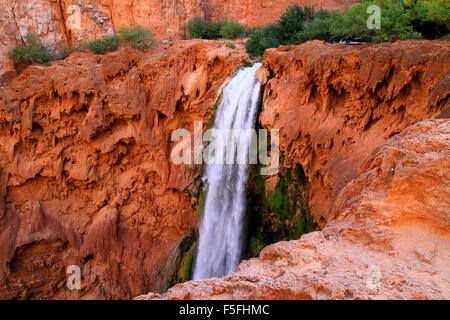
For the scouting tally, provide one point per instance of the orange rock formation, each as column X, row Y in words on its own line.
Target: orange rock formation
column 85, row 171
column 336, row 103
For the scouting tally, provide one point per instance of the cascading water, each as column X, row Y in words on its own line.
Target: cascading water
column 221, row 230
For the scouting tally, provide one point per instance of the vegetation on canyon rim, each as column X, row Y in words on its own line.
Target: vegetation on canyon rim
column 198, row 28
column 34, row 51
column 137, row 37
column 407, row 19
column 400, row 19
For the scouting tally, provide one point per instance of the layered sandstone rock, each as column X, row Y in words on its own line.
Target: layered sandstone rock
column 391, row 239
column 85, row 172
column 73, row 21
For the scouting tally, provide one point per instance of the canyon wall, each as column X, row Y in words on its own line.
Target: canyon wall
column 85, row 172
column 334, row 104
column 369, row 125
column 55, row 21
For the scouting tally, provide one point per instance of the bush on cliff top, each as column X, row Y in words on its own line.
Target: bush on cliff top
column 198, row 28
column 137, row 37
column 201, row 29
column 231, row 30
column 431, row 17
column 106, row 44
column 33, row 51
column 283, row 32
column 407, row 19
column 259, row 41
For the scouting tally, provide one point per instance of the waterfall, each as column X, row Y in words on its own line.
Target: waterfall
column 222, row 226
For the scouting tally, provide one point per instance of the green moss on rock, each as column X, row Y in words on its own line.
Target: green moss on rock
column 187, row 263
column 179, row 264
column 280, row 215
column 201, row 203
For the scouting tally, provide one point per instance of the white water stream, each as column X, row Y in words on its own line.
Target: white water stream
column 221, row 231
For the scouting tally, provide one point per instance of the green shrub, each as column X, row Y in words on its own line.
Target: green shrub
column 407, row 19
column 275, row 33
column 258, row 43
column 231, row 30
column 33, row 51
column 197, row 28
column 293, row 20
column 431, row 18
column 106, row 44
column 285, row 31
column 435, row 11
column 395, row 22
column 138, row 37
column 319, row 28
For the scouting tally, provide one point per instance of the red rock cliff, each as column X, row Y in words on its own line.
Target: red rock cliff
column 337, row 103
column 85, row 171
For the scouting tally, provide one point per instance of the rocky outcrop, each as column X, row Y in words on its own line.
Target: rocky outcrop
column 334, row 104
column 391, row 239
column 85, row 169
column 378, row 175
column 73, row 21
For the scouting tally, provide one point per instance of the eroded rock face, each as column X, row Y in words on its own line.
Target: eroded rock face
column 391, row 239
column 334, row 104
column 74, row 21
column 355, row 119
column 86, row 177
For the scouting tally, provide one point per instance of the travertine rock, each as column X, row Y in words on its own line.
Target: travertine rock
column 337, row 103
column 85, row 172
